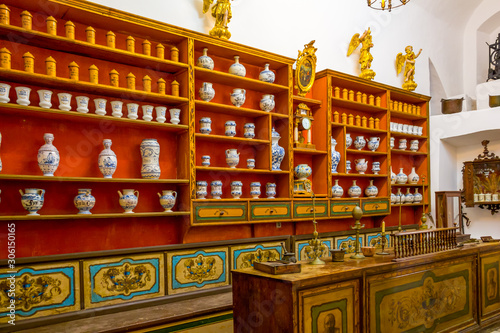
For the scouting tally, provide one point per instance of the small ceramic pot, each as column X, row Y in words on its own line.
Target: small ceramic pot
column 23, row 95
column 237, row 68
column 267, row 103
column 206, row 92
column 64, row 101
column 348, row 140
column 147, row 112
column 45, row 98
column 487, row 197
column 32, row 200
column 216, row 189
column 392, row 141
column 201, row 189
column 167, row 200
column 250, row 163
column 205, row 160
column 271, row 190
column 84, row 201
column 175, row 116
column 414, row 145
column 116, row 108
column 4, row 93
column 82, row 104
column 232, row 157
column 402, row 144
column 360, row 142
column 128, row 200
column 249, row 130
column 337, row 190
column 347, row 166
column 373, row 143
column 205, row 125
column 376, row 168
column 132, row 110
column 236, row 189
column 161, row 111
column 267, row 75
column 100, row 106
column 481, row 197
column 361, row 165
column 238, row 97
column 230, row 128
column 255, row 190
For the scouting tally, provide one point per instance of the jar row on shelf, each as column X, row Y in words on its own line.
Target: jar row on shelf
column 33, row 199
column 229, row 128
column 355, row 191
column 83, row 103
column 403, row 144
column 232, row 159
column 360, row 142
column 406, row 129
column 406, row 198
column 486, row 197
column 236, row 189
column 405, row 107
column 90, row 33
column 360, row 96
column 402, row 178
column 371, row 123
column 237, row 97
column 360, row 165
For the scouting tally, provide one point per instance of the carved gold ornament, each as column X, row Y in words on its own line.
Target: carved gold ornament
column 305, row 71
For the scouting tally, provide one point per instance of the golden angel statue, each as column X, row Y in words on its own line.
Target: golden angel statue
column 365, row 57
column 408, row 60
column 221, row 11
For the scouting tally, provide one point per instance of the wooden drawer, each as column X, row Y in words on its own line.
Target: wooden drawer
column 304, row 208
column 376, row 206
column 270, row 210
column 342, row 208
column 215, row 211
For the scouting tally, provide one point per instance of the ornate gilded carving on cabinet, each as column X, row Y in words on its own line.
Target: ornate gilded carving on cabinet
column 119, row 280
column 40, row 290
column 305, row 71
column 244, row 256
column 304, row 251
column 490, row 294
column 375, row 240
column 332, row 308
column 348, row 243
column 197, row 269
column 425, row 301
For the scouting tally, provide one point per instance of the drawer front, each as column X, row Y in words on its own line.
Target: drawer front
column 270, row 211
column 379, row 206
column 304, row 209
column 343, row 208
column 213, row 212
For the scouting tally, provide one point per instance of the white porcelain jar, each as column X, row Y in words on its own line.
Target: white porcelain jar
column 116, row 108
column 23, row 95
column 45, row 98
column 271, row 190
column 236, row 189
column 161, row 111
column 107, row 160
column 267, row 75
column 230, row 128
column 128, row 200
column 249, row 130
column 48, row 156
column 237, row 68
column 84, row 201
column 204, row 61
column 205, row 125
column 100, row 106
column 255, row 190
column 65, row 101
column 167, row 200
column 216, row 189
column 238, row 97
column 206, row 92
column 267, row 103
column 82, row 104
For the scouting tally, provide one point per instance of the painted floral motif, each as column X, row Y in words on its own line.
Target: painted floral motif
column 310, row 254
column 258, row 256
column 200, row 269
column 126, row 279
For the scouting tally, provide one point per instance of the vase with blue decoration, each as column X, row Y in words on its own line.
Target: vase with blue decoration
column 278, row 152
column 267, row 103
column 237, row 68
column 84, row 201
column 32, row 200
column 236, row 189
column 201, row 189
column 417, row 197
column 401, row 177
column 413, row 177
column 48, row 156
column 354, row 191
column 128, row 200
column 150, row 153
column 206, row 92
column 337, row 190
column 271, row 190
column 348, row 140
column 204, row 61
column 107, row 160
column 232, row 157
column 216, row 189
column 335, row 156
column 409, row 198
column 238, row 97
column 167, row 200
column 267, row 75
column 371, row 191
column 373, row 143
column 255, row 190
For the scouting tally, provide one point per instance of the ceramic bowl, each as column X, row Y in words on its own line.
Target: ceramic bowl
column 368, row 251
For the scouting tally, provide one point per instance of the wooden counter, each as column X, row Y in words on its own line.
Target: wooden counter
column 446, row 291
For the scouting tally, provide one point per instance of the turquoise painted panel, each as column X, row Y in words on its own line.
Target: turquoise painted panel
column 202, row 272
column 245, row 257
column 327, row 244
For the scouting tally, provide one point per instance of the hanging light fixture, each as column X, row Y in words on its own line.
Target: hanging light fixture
column 386, row 4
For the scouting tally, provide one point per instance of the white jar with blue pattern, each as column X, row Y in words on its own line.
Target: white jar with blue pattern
column 128, row 200
column 204, row 61
column 216, row 189
column 32, row 200
column 48, row 156
column 205, row 125
column 267, row 103
column 84, row 201
column 255, row 190
column 238, row 97
column 371, row 191
column 236, row 189
column 201, row 189
column 230, row 128
column 337, row 190
column 271, row 190
column 150, row 153
column 249, row 130
column 335, row 156
column 206, row 92
column 107, row 160
column 267, row 75
column 354, row 191
column 237, row 68
column 278, row 152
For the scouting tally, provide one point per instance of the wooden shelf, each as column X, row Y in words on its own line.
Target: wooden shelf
column 231, row 109
column 235, row 81
column 240, row 170
column 405, row 115
column 230, row 139
column 91, row 179
column 360, row 129
column 365, row 152
column 370, row 175
column 407, row 152
column 309, row 101
column 408, row 205
column 90, row 216
column 309, row 151
column 408, row 185
column 68, row 85
column 340, row 102
column 58, row 43
column 37, row 111
column 409, row 136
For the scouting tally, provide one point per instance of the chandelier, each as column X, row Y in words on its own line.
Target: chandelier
column 386, row 4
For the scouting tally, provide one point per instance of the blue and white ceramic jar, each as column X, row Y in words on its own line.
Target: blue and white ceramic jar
column 348, row 140
column 236, row 189
column 413, row 177
column 271, row 190
column 375, row 168
column 401, row 177
column 354, row 191
column 393, row 177
column 48, row 156
column 232, row 157
column 65, row 101
column 201, row 189
column 400, row 197
column 361, row 165
column 267, row 103
column 391, row 144
column 359, row 143
column 255, row 190
column 45, row 98
column 205, row 125
column 302, row 171
column 373, row 143
column 32, row 200
column 84, row 201
column 167, row 200
column 337, row 190
column 128, row 200
column 371, row 191
column 147, row 112
column 150, row 153
column 347, row 166
column 238, row 97
column 417, row 197
column 216, row 189
column 4, row 93
column 409, row 197
column 414, row 145
column 205, row 61
column 161, row 111
column 82, row 104
column 205, row 160
column 267, row 75
column 174, row 116
column 335, row 156
column 206, row 92
column 23, row 95
column 278, row 152
column 230, row 128
column 249, row 130
column 132, row 110
column 393, row 199
column 237, row 68
column 250, row 163
column 107, row 160
column 116, row 108
column 100, row 106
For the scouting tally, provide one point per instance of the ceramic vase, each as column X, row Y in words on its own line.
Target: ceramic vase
column 408, row 196
column 267, row 103
column 393, row 199
column 232, row 157
column 205, row 125
column 250, row 163
column 230, row 128
column 205, row 160
column 206, row 92
column 64, row 101
column 100, row 106
column 238, row 97
column 107, row 160
column 335, row 155
column 161, row 111
column 150, row 153
column 201, row 189
column 347, row 166
column 392, row 142
column 116, row 109
column 216, row 189
column 205, row 61
column 82, row 104
column 48, row 156
column 359, row 143
column 147, row 112
column 236, row 189
column 132, row 109
column 4, row 93
column 32, row 200
column 267, row 75
column 376, row 168
column 237, row 68
column 278, row 152
column 417, row 197
column 354, row 191
column 128, row 200
column 174, row 116
column 413, row 177
column 271, row 190
column 84, row 201
column 400, row 197
column 361, row 165
column 45, row 98
column 393, row 177
column 255, row 190
column 302, row 171
column 348, row 140
column 337, row 190
column 373, row 143
column 249, row 129
column 167, row 200
column 23, row 95
column 401, row 177
column 371, row 191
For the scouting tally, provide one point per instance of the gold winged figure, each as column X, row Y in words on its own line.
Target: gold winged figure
column 365, row 57
column 221, row 11
column 408, row 61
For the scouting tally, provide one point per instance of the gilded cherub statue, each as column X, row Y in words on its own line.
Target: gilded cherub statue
column 221, row 11
column 365, row 57
column 408, row 60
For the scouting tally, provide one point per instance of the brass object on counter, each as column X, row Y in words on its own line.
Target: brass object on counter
column 357, row 213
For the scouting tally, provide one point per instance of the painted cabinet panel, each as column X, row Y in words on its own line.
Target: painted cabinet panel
column 489, row 294
column 304, row 209
column 270, row 210
column 214, row 212
column 378, row 206
column 342, row 208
